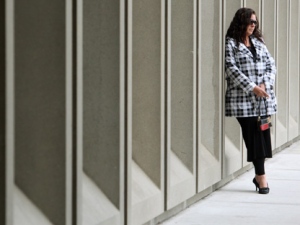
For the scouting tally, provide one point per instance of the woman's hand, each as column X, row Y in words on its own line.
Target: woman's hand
column 263, row 86
column 260, row 91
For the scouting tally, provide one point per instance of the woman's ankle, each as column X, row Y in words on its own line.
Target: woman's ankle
column 261, row 180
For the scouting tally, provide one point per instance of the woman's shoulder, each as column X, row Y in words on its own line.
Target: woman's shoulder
column 256, row 41
column 230, row 41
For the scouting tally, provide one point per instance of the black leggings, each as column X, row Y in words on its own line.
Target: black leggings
column 259, row 166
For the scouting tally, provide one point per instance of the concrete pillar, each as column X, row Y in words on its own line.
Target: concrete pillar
column 282, row 71
column 293, row 87
column 181, row 100
column 43, row 148
column 103, row 112
column 145, row 168
column 210, row 93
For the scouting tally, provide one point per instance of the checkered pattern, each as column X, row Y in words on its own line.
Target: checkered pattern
column 243, row 73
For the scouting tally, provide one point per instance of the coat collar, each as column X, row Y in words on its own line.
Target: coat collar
column 257, row 45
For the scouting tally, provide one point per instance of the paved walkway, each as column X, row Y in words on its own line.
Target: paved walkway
column 237, row 203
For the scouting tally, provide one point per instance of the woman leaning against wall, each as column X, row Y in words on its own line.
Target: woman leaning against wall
column 250, row 74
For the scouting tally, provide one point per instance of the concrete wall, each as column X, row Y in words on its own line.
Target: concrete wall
column 112, row 112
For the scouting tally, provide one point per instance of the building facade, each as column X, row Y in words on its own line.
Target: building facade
column 112, row 111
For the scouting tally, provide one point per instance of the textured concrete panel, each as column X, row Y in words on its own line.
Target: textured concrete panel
column 181, row 105
column 255, row 5
column 101, row 95
column 282, row 72
column 210, row 64
column 294, row 71
column 210, row 87
column 268, row 22
column 182, row 76
column 40, row 99
column 232, row 131
column 233, row 155
column 146, row 109
column 146, row 87
column 230, row 7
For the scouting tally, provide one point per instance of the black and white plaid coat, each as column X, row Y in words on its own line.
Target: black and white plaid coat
column 243, row 73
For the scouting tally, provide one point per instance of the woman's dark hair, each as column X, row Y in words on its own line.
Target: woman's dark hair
column 239, row 24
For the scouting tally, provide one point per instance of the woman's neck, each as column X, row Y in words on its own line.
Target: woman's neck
column 247, row 41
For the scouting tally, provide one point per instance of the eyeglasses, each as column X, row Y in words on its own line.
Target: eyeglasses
column 253, row 22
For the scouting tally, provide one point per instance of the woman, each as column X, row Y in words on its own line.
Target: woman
column 250, row 74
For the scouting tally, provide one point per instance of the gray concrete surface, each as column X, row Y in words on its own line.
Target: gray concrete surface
column 239, row 203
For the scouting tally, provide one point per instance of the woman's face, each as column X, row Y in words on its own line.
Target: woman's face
column 251, row 26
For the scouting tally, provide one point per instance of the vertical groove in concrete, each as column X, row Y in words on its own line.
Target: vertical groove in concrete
column 2, row 115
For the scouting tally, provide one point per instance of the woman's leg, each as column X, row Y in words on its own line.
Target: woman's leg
column 259, row 166
column 258, row 148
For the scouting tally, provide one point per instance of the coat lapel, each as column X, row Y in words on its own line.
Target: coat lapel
column 244, row 49
column 258, row 47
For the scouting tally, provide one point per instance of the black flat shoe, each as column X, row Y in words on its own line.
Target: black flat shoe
column 264, row 190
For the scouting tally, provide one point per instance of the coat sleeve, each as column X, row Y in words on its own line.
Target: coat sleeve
column 233, row 72
column 269, row 76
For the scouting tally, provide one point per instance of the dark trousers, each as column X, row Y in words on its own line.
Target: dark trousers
column 258, row 143
column 259, row 166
